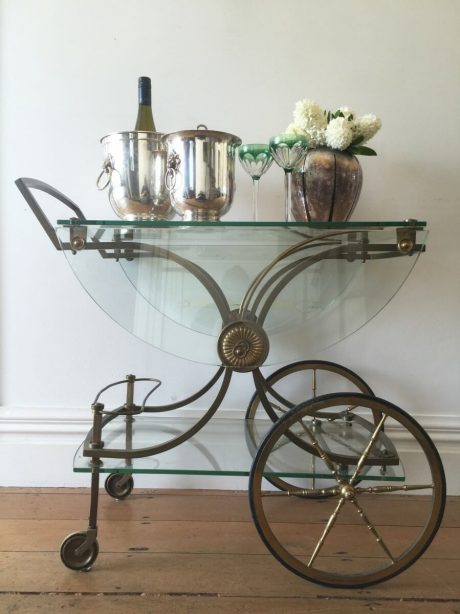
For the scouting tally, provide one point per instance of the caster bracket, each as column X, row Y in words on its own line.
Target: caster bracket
column 91, row 535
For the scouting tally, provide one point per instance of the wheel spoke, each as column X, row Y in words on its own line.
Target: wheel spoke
column 327, row 530
column 367, row 450
column 373, row 530
column 313, row 458
column 303, row 492
column 321, row 453
column 383, row 489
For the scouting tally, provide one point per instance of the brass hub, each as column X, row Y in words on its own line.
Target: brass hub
column 347, row 491
column 243, row 346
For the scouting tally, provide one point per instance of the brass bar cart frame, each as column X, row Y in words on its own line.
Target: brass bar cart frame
column 341, row 436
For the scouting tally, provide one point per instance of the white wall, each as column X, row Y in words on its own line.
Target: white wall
column 68, row 77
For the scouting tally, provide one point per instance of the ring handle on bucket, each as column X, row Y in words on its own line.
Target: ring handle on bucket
column 107, row 169
column 173, row 167
column 170, row 179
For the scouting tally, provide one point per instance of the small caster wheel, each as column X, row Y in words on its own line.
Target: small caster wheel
column 119, row 486
column 78, row 561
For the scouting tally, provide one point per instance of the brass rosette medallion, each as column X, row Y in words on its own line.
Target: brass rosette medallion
column 243, row 346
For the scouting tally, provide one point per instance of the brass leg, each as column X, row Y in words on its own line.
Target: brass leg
column 80, row 550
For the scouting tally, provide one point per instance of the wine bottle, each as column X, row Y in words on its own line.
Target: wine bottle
column 144, row 121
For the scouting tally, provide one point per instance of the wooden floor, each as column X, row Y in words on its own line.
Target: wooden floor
column 188, row 551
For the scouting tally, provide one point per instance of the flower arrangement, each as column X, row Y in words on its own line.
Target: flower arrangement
column 342, row 129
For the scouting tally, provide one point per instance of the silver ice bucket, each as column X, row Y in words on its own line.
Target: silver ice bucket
column 201, row 172
column 134, row 171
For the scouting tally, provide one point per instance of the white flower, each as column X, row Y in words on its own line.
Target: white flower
column 294, row 129
column 309, row 115
column 339, row 133
column 366, row 126
column 347, row 112
column 315, row 137
column 311, row 121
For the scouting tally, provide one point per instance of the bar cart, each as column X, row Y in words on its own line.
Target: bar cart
column 315, row 442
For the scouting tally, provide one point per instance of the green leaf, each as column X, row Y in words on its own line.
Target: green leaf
column 357, row 141
column 361, row 150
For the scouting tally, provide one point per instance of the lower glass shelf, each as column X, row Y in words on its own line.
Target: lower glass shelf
column 227, row 446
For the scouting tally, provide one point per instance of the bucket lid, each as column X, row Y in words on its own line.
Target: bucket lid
column 202, row 132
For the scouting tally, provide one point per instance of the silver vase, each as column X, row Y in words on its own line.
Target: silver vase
column 327, row 188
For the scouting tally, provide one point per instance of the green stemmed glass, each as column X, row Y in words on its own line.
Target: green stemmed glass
column 288, row 151
column 256, row 159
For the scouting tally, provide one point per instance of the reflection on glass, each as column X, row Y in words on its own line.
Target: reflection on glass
column 175, row 285
column 223, row 447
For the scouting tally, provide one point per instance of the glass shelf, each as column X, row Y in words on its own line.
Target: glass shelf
column 118, row 223
column 176, row 284
column 225, row 446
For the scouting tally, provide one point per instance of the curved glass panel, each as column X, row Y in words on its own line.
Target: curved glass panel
column 175, row 285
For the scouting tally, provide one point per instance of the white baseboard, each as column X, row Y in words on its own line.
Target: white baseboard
column 37, row 446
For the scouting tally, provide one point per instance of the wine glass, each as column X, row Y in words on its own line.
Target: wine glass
column 288, row 151
column 256, row 159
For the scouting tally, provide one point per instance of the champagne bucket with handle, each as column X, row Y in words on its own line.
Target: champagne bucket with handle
column 201, row 172
column 134, row 171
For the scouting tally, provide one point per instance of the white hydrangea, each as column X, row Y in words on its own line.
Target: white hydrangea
column 309, row 120
column 339, row 133
column 317, row 137
column 308, row 114
column 347, row 112
column 293, row 128
column 366, row 126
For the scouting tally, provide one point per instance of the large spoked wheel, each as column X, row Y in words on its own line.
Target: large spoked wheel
column 293, row 384
column 76, row 555
column 119, row 485
column 386, row 491
column 305, row 379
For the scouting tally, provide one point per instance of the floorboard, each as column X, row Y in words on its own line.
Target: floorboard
column 193, row 551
